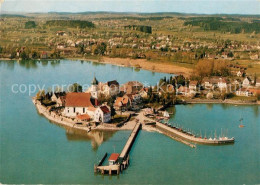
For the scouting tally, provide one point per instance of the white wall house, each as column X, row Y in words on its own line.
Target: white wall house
column 246, row 82
column 222, row 84
column 102, row 114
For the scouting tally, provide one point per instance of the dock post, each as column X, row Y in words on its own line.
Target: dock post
column 95, row 168
column 110, row 172
column 102, row 171
column 118, row 170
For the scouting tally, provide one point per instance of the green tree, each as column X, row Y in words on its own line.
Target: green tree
column 75, row 88
column 113, row 111
column 35, row 55
column 24, row 56
column 30, row 24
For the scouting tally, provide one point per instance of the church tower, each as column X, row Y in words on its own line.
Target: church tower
column 94, row 88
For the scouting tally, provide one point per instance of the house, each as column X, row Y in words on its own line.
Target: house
column 83, row 117
column 193, row 85
column 113, row 158
column 44, row 55
column 206, row 83
column 254, row 57
column 246, row 82
column 209, row 83
column 61, row 46
column 254, row 91
column 131, row 87
column 183, row 90
column 61, row 33
column 123, row 103
column 135, row 98
column 241, row 73
column 102, row 114
column 109, row 88
column 222, row 84
column 211, row 56
column 224, row 55
column 144, row 92
column 77, row 103
column 59, row 98
column 243, row 92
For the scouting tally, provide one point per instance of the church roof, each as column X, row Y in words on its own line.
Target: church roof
column 78, row 100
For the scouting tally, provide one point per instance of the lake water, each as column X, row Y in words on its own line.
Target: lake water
column 35, row 151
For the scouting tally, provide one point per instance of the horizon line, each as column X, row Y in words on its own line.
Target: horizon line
column 122, row 12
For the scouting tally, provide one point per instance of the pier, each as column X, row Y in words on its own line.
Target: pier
column 123, row 159
column 177, row 132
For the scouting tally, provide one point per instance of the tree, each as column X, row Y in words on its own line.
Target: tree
column 35, row 55
column 75, row 88
column 204, row 68
column 24, row 56
column 113, row 111
column 180, row 79
column 100, row 49
column 30, row 24
column 40, row 95
column 255, row 79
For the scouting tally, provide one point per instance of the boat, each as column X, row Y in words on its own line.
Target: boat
column 166, row 115
column 241, row 123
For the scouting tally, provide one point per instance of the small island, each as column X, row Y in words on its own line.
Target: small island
column 111, row 106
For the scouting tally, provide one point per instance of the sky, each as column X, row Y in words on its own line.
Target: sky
column 182, row 6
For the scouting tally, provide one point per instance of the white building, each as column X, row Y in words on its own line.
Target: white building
column 80, row 104
column 77, row 103
column 222, row 84
column 102, row 114
column 246, row 82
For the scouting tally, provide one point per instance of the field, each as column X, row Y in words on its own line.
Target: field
column 172, row 41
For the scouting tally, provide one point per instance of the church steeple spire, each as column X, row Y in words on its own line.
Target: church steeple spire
column 94, row 81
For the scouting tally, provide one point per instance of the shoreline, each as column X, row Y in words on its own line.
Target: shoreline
column 66, row 123
column 230, row 102
column 159, row 128
column 153, row 66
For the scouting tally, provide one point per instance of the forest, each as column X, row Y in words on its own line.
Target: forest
column 232, row 25
column 70, row 23
column 145, row 29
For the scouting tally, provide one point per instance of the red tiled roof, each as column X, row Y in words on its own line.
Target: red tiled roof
column 113, row 157
column 105, row 109
column 118, row 101
column 193, row 82
column 78, row 100
column 83, row 117
column 255, row 91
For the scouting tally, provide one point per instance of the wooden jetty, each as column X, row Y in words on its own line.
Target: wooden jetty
column 123, row 159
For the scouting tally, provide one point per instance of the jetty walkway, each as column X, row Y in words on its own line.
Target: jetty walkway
column 123, row 159
column 167, row 129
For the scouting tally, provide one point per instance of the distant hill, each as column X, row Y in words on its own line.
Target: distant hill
column 12, row 15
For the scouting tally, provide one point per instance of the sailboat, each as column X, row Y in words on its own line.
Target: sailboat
column 241, row 123
column 166, row 115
